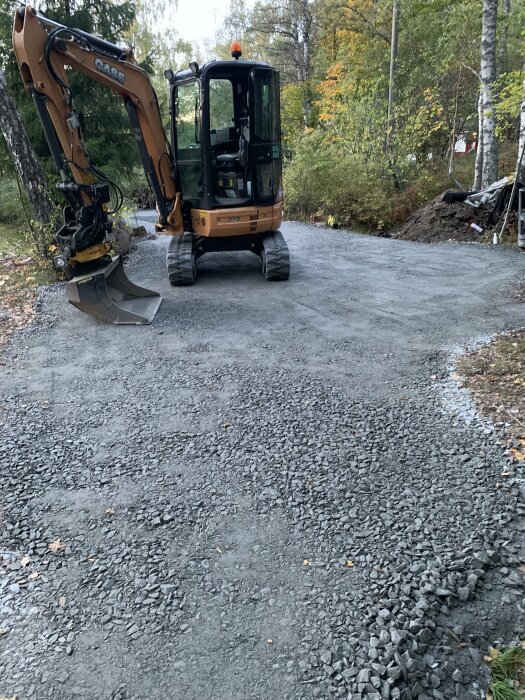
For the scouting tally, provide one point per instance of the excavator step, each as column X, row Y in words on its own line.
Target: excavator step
column 107, row 294
column 275, row 257
column 180, row 260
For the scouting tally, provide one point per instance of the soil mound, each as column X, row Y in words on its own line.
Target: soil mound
column 442, row 221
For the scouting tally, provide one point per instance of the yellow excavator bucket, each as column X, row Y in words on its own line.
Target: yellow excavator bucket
column 108, row 295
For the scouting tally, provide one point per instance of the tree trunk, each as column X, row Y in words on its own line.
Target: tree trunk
column 24, row 158
column 502, row 50
column 393, row 73
column 488, row 76
column 476, row 185
column 521, row 166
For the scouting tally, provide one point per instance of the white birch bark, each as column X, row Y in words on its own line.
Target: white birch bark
column 476, row 185
column 521, row 142
column 489, row 171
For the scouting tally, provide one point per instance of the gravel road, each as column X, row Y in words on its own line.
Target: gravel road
column 274, row 491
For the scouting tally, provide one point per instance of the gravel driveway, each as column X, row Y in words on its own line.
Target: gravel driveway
column 274, row 491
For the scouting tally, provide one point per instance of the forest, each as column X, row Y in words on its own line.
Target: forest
column 376, row 95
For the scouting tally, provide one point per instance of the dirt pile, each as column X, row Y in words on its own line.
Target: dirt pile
column 440, row 221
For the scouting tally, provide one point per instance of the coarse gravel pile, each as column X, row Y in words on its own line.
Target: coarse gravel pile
column 271, row 492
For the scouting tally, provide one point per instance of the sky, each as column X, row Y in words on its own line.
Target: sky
column 197, row 21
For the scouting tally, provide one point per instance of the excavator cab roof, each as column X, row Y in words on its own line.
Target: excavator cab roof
column 210, row 67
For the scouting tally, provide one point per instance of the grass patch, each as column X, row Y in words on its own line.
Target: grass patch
column 507, row 677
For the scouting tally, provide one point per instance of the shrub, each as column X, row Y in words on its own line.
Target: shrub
column 321, row 179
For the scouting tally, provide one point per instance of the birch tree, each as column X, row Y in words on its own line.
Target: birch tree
column 393, row 71
column 24, row 159
column 521, row 159
column 478, row 167
column 489, row 171
column 288, row 28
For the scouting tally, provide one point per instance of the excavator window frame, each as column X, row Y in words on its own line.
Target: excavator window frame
column 193, row 197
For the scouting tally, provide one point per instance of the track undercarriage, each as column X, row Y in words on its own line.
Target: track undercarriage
column 184, row 251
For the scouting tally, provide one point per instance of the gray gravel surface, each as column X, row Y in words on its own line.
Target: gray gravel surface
column 269, row 493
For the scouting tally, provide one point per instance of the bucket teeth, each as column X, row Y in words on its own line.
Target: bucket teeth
column 107, row 294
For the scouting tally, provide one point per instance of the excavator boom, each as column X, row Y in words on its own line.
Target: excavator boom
column 44, row 50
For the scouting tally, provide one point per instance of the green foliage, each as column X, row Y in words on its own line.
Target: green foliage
column 501, row 690
column 508, row 673
column 11, row 207
column 334, row 123
column 510, row 95
column 506, row 665
column 321, row 180
column 103, row 118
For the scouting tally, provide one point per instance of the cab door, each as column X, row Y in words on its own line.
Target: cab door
column 187, row 140
column 265, row 135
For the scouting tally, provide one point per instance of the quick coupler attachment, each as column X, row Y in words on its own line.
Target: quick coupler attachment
column 107, row 294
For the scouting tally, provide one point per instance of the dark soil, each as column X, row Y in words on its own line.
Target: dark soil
column 439, row 221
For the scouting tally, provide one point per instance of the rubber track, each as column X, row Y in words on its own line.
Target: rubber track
column 276, row 257
column 180, row 261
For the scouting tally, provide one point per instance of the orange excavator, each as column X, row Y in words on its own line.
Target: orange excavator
column 217, row 185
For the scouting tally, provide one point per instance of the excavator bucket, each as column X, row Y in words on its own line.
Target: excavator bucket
column 108, row 295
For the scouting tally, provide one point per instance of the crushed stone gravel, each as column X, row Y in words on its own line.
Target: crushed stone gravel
column 270, row 492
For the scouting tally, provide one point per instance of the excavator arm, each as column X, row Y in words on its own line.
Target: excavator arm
column 46, row 51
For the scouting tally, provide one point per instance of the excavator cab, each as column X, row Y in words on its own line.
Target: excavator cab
column 226, row 135
column 226, row 140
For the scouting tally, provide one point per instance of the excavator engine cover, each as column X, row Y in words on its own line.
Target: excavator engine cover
column 108, row 295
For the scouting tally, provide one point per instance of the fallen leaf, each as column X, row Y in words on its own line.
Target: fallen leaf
column 349, row 563
column 62, row 601
column 519, row 456
column 24, row 561
column 494, row 653
column 56, row 545
column 307, row 562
